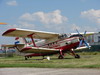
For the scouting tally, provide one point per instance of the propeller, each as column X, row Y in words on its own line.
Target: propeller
column 82, row 39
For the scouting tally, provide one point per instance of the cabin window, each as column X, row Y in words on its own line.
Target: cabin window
column 53, row 42
column 62, row 36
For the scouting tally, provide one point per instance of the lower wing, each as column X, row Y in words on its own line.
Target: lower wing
column 38, row 50
column 80, row 48
column 13, row 45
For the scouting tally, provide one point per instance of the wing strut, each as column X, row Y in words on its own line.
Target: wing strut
column 31, row 36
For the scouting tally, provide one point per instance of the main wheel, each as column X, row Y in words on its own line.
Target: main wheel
column 26, row 58
column 77, row 56
column 60, row 57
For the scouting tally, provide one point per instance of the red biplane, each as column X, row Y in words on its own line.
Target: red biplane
column 48, row 43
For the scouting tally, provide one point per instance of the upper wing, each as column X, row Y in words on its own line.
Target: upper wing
column 38, row 50
column 87, row 33
column 16, row 32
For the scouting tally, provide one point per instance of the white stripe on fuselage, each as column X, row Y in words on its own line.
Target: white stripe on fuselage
column 61, row 43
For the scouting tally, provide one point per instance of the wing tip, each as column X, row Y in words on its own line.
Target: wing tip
column 8, row 31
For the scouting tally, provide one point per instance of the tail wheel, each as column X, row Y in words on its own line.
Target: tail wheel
column 60, row 57
column 77, row 56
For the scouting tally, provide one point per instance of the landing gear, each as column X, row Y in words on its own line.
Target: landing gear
column 61, row 57
column 43, row 57
column 77, row 56
column 26, row 58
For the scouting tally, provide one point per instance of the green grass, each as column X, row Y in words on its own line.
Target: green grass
column 87, row 60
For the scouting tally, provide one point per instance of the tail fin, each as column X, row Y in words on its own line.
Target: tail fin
column 20, row 43
column 20, row 40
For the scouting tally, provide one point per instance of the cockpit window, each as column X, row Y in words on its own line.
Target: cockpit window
column 62, row 36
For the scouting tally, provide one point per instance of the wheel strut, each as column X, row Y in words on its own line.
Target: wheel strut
column 75, row 55
column 61, row 55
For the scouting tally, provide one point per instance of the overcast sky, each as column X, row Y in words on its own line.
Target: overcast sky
column 49, row 15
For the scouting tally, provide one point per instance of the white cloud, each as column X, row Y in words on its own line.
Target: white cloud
column 27, row 17
column 74, row 27
column 83, row 28
column 53, row 21
column 89, row 29
column 26, row 25
column 54, row 17
column 22, row 24
column 93, row 15
column 12, row 3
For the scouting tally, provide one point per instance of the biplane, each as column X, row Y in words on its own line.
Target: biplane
column 46, row 43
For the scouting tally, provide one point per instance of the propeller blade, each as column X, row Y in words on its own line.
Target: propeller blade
column 83, row 39
column 85, row 33
column 80, row 44
column 77, row 31
column 86, row 44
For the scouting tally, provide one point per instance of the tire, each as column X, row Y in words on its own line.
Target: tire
column 60, row 57
column 77, row 56
column 26, row 58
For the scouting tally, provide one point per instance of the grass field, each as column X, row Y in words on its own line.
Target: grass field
column 87, row 60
